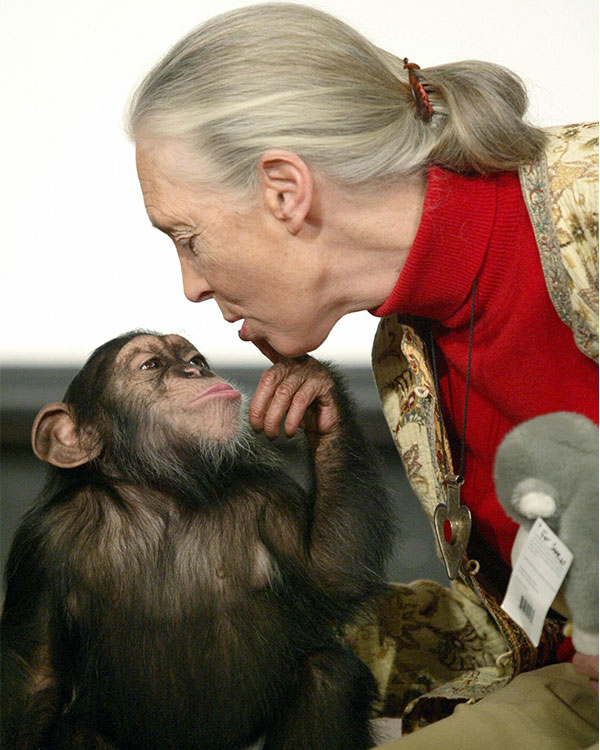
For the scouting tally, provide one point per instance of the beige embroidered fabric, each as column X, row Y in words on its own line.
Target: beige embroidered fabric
column 431, row 647
column 561, row 193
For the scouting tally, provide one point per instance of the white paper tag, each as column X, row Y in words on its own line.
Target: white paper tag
column 536, row 578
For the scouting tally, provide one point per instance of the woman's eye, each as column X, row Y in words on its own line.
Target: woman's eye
column 151, row 364
column 189, row 244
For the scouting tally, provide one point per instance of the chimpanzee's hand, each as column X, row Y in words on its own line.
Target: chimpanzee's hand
column 304, row 389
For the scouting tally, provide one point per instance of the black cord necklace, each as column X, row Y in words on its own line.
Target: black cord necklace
column 452, row 521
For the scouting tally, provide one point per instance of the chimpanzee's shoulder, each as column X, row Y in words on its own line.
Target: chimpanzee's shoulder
column 65, row 512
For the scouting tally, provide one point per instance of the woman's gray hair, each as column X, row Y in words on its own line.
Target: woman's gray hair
column 288, row 76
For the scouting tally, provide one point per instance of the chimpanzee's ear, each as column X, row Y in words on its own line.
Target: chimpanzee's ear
column 54, row 438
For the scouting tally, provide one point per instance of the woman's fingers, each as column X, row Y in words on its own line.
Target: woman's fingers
column 587, row 664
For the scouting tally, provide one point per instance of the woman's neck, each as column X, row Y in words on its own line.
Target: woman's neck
column 365, row 238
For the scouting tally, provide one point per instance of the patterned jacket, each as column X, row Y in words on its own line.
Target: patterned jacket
column 430, row 646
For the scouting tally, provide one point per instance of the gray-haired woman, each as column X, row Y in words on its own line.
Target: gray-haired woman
column 303, row 174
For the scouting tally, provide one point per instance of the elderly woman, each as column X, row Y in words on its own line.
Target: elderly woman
column 303, row 174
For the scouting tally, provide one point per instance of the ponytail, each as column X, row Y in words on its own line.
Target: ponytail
column 282, row 75
column 483, row 107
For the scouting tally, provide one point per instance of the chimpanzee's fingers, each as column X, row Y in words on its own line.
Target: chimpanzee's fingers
column 292, row 386
column 283, row 396
column 268, row 383
column 325, row 416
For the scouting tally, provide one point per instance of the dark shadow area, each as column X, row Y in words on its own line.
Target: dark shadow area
column 25, row 391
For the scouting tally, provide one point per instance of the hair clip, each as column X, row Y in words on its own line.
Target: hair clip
column 424, row 108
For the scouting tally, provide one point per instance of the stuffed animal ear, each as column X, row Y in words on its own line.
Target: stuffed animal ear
column 534, row 498
column 54, row 438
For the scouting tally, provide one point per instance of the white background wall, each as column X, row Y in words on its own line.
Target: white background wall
column 80, row 262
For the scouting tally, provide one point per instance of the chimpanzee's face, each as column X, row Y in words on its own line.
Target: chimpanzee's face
column 172, row 383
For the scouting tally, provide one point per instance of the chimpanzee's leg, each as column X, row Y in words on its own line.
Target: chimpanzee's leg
column 331, row 707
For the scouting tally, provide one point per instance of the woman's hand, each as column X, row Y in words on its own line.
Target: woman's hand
column 587, row 664
column 304, row 389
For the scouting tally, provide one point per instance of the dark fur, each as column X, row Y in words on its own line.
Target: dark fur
column 143, row 616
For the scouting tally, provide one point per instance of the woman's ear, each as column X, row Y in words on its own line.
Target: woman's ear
column 287, row 187
column 54, row 438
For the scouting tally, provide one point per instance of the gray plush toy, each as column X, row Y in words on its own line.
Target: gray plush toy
column 548, row 467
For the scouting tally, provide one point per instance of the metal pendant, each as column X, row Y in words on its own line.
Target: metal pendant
column 457, row 529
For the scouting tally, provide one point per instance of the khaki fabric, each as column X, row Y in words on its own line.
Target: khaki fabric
column 551, row 708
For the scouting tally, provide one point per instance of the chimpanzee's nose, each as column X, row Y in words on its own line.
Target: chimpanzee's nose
column 192, row 371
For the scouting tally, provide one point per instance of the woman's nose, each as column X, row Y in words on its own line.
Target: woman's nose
column 195, row 286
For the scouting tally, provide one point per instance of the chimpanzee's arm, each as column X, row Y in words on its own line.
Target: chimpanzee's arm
column 352, row 526
column 31, row 696
column 350, row 529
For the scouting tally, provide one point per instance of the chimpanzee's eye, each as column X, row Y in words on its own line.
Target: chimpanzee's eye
column 198, row 361
column 151, row 364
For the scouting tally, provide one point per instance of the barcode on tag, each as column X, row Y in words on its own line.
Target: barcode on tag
column 527, row 609
column 536, row 577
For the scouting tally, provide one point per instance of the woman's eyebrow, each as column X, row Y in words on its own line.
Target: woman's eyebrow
column 161, row 227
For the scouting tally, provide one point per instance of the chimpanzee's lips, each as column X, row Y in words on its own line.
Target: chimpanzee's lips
column 221, row 390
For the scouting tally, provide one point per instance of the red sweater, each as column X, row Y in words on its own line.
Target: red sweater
column 524, row 359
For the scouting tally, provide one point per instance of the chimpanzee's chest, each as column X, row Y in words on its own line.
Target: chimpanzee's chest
column 175, row 574
column 189, row 632
column 183, row 598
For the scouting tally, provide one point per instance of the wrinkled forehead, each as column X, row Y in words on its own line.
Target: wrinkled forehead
column 164, row 165
column 170, row 343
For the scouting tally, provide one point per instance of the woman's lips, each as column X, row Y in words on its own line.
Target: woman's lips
column 243, row 332
column 261, row 344
column 220, row 390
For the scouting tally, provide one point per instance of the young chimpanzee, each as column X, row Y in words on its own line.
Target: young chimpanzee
column 173, row 587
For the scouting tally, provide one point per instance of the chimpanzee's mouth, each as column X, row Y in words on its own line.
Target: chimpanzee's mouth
column 223, row 390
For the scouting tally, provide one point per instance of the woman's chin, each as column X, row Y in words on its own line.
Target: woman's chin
column 277, row 348
column 291, row 349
